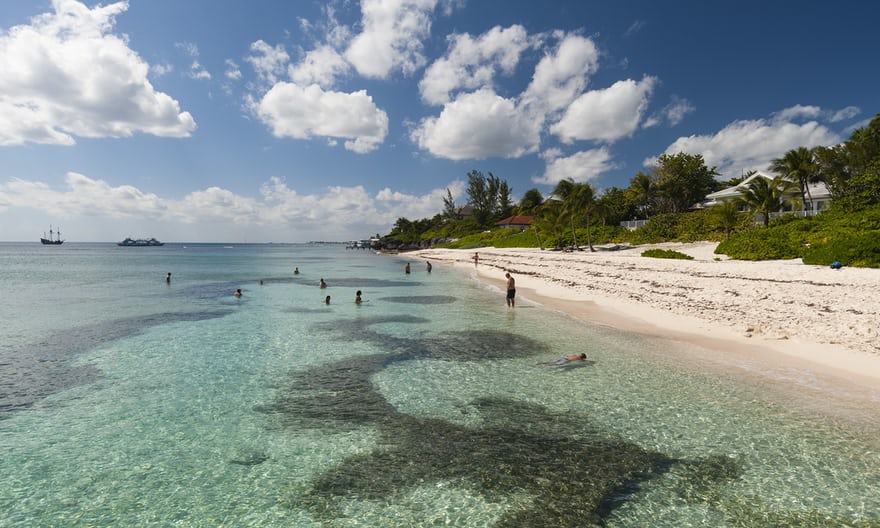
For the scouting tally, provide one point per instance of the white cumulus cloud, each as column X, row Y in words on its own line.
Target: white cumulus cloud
column 269, row 62
column 479, row 125
column 391, row 38
column 752, row 144
column 216, row 204
column 300, row 100
column 233, row 72
column 303, row 112
column 419, row 205
column 320, row 66
column 66, row 75
column 472, row 63
column 606, row 115
column 846, row 113
column 561, row 76
column 86, row 197
column 673, row 113
column 218, row 214
column 581, row 166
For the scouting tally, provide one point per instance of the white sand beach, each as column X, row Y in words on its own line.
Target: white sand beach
column 774, row 315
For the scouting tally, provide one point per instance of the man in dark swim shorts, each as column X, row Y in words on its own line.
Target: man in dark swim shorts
column 511, row 290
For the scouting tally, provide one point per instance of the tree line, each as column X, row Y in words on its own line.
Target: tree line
column 674, row 185
column 677, row 182
column 488, row 201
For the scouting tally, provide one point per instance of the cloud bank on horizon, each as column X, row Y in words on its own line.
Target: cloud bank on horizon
column 357, row 93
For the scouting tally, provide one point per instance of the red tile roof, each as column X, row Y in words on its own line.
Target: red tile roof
column 519, row 220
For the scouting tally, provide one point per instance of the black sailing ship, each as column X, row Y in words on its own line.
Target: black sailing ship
column 54, row 238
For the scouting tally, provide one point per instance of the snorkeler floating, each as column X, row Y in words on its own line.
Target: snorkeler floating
column 565, row 360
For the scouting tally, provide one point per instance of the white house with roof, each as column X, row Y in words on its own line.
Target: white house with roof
column 819, row 193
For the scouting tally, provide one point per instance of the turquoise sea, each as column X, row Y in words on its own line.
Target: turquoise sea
column 126, row 401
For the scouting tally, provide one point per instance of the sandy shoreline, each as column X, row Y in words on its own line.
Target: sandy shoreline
column 772, row 315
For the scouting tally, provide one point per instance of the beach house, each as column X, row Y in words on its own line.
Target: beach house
column 819, row 193
column 520, row 222
column 464, row 211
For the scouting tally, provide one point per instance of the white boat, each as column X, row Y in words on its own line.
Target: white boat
column 140, row 242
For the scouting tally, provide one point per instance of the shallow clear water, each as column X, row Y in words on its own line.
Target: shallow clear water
column 128, row 402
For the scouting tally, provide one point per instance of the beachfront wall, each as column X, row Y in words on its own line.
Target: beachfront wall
column 633, row 224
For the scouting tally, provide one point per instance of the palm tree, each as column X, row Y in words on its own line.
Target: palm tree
column 642, row 189
column 585, row 198
column 564, row 189
column 576, row 198
column 531, row 201
column 799, row 166
column 765, row 195
column 726, row 215
column 550, row 217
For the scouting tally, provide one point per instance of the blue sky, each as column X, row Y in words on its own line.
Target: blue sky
column 292, row 121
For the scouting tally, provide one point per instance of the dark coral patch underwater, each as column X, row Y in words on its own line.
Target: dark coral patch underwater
column 576, row 474
column 37, row 370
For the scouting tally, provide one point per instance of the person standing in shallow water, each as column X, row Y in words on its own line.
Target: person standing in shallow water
column 322, row 284
column 428, row 266
column 511, row 290
column 406, row 269
column 168, row 278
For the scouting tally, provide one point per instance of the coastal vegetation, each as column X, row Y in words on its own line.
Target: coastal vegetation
column 575, row 216
column 666, row 254
column 851, row 238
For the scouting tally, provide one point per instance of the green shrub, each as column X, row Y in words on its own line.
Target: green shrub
column 474, row 240
column 861, row 250
column 660, row 228
column 666, row 253
column 680, row 227
column 501, row 238
column 599, row 234
column 762, row 244
column 514, row 238
column 851, row 238
column 696, row 226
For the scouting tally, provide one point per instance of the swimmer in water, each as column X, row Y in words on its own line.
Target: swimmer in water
column 565, row 360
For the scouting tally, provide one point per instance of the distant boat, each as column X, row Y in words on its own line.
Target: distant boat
column 140, row 242
column 54, row 238
column 359, row 244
